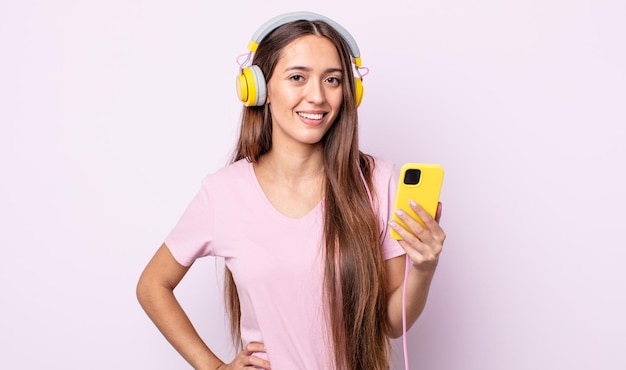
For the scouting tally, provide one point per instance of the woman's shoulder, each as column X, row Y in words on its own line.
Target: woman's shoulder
column 383, row 167
column 229, row 173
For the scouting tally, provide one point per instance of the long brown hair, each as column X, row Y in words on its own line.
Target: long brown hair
column 354, row 277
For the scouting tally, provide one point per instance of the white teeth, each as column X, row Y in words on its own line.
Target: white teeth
column 311, row 115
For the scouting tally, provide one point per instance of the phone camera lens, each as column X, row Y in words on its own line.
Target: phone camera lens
column 412, row 176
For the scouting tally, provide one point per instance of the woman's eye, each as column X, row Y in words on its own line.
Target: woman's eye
column 333, row 80
column 297, row 78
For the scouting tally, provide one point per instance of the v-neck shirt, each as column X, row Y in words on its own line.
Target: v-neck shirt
column 277, row 261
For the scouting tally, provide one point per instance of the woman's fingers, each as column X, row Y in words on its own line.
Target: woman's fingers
column 438, row 213
column 432, row 224
column 251, row 357
column 254, row 347
column 423, row 243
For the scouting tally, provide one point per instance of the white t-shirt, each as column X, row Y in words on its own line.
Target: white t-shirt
column 277, row 262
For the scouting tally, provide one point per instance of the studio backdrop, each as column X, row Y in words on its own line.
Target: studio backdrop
column 112, row 112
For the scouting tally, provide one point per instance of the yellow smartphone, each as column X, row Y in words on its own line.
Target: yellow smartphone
column 422, row 183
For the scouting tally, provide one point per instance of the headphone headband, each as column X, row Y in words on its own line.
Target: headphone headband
column 280, row 20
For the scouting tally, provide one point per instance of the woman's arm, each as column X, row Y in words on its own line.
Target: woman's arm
column 155, row 292
column 423, row 246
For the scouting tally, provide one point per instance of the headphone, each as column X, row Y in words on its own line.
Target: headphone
column 251, row 84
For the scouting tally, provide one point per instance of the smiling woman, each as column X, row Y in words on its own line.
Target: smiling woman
column 301, row 218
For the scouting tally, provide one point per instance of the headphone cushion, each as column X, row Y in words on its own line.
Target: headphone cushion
column 261, row 86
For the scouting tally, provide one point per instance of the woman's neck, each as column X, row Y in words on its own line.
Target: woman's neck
column 293, row 184
column 292, row 167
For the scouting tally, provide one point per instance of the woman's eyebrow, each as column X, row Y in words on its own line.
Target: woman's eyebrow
column 308, row 69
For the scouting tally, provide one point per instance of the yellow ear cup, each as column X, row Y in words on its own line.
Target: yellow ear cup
column 242, row 87
column 358, row 90
column 250, row 93
column 251, row 86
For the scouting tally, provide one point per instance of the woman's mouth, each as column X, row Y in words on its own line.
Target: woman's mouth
column 313, row 116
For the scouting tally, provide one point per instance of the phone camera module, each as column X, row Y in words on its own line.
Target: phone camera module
column 412, row 176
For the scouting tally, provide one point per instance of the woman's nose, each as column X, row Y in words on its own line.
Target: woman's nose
column 315, row 92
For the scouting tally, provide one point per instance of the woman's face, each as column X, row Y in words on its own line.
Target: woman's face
column 305, row 91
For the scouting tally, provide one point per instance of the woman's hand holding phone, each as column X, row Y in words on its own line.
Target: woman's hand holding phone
column 417, row 211
column 423, row 244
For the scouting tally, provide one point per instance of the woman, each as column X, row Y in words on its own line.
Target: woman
column 301, row 217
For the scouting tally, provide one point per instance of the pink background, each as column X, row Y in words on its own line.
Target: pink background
column 111, row 112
